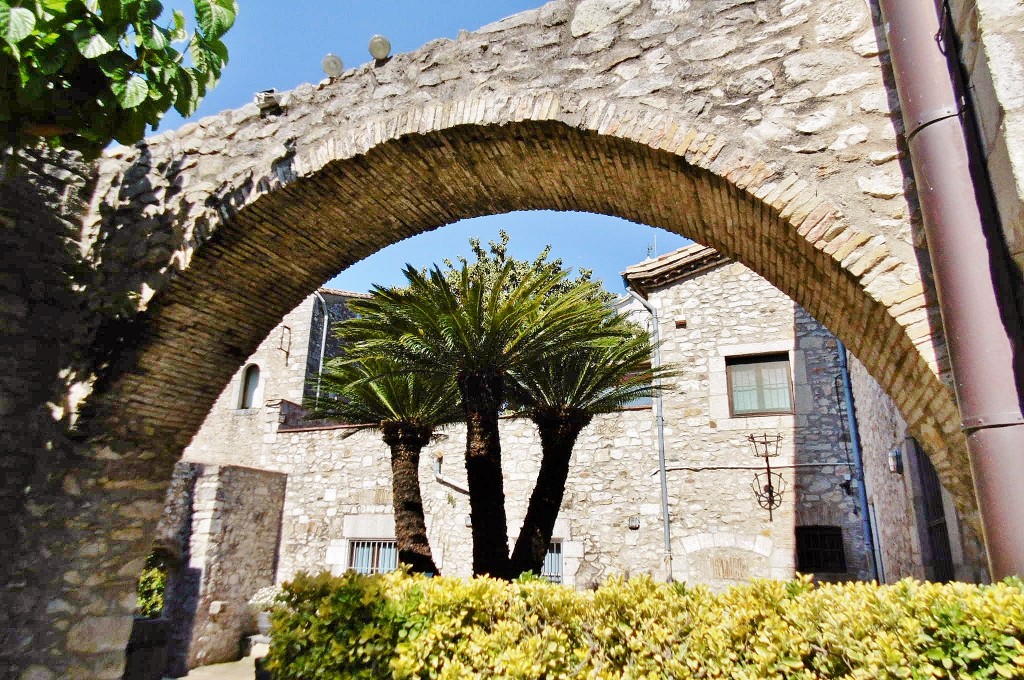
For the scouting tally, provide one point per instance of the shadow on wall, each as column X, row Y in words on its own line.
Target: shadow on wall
column 829, row 539
column 45, row 320
column 181, row 594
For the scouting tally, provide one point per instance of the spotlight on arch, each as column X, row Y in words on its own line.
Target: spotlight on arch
column 332, row 65
column 380, row 47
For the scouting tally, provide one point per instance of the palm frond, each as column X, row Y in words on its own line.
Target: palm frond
column 376, row 392
column 600, row 375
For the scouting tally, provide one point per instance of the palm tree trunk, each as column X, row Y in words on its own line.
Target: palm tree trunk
column 481, row 399
column 406, row 442
column 558, row 433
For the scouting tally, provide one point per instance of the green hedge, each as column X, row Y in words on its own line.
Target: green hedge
column 401, row 626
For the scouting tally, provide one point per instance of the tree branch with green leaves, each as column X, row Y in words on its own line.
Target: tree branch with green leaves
column 81, row 74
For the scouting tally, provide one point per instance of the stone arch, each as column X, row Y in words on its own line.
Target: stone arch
column 283, row 233
column 779, row 121
column 766, row 130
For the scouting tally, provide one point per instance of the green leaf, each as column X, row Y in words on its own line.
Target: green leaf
column 132, row 92
column 131, row 129
column 110, row 10
column 215, row 17
column 157, row 39
column 90, row 43
column 179, row 33
column 219, row 49
column 149, row 10
column 51, row 61
column 16, row 23
column 188, row 93
column 199, row 55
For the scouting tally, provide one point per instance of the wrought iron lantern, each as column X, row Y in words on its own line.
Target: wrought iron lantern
column 768, row 486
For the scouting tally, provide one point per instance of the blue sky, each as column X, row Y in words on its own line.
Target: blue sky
column 280, row 45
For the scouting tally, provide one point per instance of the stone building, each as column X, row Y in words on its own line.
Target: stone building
column 752, row 363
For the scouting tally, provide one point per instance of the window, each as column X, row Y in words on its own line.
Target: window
column 552, row 569
column 250, row 383
column 373, row 557
column 819, row 549
column 640, row 402
column 759, row 384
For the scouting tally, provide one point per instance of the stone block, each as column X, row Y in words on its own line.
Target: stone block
column 99, row 634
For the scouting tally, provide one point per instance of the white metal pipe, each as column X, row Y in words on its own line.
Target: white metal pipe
column 323, row 343
column 660, row 420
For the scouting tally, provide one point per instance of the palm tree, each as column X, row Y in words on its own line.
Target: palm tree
column 562, row 396
column 406, row 408
column 475, row 330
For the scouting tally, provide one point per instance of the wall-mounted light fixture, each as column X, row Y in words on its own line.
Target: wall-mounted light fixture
column 633, row 522
column 847, row 486
column 468, row 520
column 896, row 461
column 380, row 47
column 768, row 486
column 332, row 65
column 269, row 102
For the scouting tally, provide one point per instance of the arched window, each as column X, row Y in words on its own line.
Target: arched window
column 250, row 383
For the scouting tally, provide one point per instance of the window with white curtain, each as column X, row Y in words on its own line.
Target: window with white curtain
column 373, row 556
column 759, row 384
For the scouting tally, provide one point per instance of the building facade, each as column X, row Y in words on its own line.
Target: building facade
column 756, row 375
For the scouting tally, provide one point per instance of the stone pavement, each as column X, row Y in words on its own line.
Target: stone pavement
column 244, row 669
column 235, row 670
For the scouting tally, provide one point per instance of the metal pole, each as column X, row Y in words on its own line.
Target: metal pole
column 660, row 421
column 971, row 271
column 858, row 460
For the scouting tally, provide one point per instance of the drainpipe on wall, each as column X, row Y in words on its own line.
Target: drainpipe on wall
column 858, row 460
column 660, row 420
column 971, row 271
column 323, row 343
column 445, row 481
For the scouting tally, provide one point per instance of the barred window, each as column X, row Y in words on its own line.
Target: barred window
column 759, row 384
column 373, row 557
column 819, row 549
column 552, row 569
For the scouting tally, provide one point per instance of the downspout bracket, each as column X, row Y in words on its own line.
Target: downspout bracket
column 969, row 425
column 926, row 118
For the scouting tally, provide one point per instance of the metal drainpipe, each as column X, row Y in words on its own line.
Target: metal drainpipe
column 450, row 483
column 660, row 420
column 858, row 460
column 970, row 268
column 323, row 343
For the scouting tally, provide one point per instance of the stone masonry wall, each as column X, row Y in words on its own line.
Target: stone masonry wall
column 232, row 528
column 339, row 485
column 992, row 36
column 282, row 360
column 289, row 354
column 730, row 311
column 893, row 495
column 340, row 489
column 45, row 321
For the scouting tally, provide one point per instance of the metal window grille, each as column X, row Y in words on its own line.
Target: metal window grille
column 759, row 384
column 819, row 549
column 373, row 557
column 552, row 569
